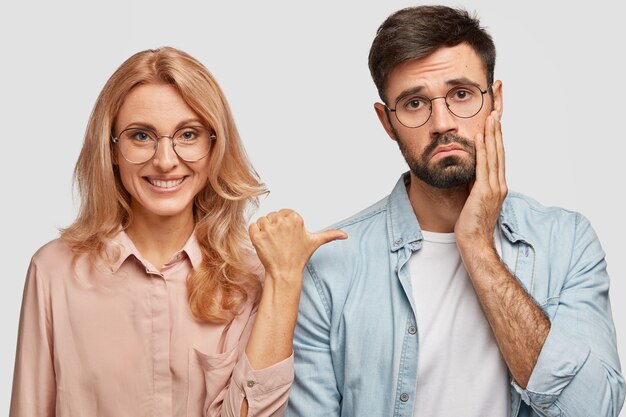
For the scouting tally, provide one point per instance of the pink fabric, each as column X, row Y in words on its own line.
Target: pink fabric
column 120, row 340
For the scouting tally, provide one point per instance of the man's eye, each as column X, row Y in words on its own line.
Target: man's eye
column 462, row 95
column 416, row 103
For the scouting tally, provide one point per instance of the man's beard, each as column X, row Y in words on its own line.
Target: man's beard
column 447, row 172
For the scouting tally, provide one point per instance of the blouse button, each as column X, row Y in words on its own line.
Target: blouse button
column 412, row 330
column 404, row 397
column 250, row 384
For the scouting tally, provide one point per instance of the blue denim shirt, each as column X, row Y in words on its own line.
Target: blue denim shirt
column 356, row 342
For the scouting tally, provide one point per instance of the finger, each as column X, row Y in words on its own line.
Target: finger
column 492, row 152
column 326, row 236
column 501, row 159
column 481, row 159
column 253, row 229
column 292, row 216
column 271, row 217
column 262, row 223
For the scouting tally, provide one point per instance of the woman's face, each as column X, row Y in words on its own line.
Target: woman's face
column 164, row 186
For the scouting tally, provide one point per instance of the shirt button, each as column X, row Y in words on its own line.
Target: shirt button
column 412, row 330
column 404, row 397
column 399, row 241
column 250, row 384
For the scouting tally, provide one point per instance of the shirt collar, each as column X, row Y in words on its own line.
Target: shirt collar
column 122, row 243
column 405, row 229
column 401, row 220
column 508, row 221
column 192, row 249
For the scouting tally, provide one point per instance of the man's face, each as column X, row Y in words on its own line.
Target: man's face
column 441, row 152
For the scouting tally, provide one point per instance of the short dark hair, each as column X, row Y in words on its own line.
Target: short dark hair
column 416, row 32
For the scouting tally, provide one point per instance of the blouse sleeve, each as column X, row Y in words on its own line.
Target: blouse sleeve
column 34, row 386
column 266, row 390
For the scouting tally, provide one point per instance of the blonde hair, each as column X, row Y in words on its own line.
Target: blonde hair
column 225, row 280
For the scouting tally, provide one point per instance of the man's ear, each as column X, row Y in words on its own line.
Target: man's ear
column 496, row 88
column 383, row 116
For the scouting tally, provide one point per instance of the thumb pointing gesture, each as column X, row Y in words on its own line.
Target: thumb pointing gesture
column 283, row 244
column 320, row 238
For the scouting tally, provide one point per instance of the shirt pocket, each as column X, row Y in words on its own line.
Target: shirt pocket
column 209, row 375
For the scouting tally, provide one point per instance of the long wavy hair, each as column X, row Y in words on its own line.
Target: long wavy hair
column 226, row 279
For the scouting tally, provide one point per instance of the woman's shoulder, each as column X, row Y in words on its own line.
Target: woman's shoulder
column 55, row 252
column 51, row 261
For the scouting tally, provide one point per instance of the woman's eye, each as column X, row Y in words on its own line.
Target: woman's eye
column 189, row 135
column 141, row 136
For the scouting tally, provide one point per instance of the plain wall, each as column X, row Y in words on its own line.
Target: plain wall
column 297, row 80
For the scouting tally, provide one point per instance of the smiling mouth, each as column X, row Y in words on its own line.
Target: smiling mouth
column 166, row 183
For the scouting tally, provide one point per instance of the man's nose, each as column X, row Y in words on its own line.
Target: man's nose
column 442, row 120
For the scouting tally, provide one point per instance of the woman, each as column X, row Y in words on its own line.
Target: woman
column 150, row 303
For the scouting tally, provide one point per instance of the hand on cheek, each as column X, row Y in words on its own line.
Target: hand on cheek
column 477, row 220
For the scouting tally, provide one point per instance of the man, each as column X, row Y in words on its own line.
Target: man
column 453, row 296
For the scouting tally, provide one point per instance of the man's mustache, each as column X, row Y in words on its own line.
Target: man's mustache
column 448, row 138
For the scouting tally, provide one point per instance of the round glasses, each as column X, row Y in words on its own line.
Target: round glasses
column 139, row 145
column 463, row 101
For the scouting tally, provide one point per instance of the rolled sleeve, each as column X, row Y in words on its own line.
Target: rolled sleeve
column 578, row 369
column 266, row 390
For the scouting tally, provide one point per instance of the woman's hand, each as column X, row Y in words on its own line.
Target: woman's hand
column 283, row 244
column 284, row 247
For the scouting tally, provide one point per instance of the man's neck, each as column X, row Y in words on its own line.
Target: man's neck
column 436, row 209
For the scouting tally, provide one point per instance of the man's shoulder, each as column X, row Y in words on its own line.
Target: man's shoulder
column 535, row 221
column 369, row 224
column 362, row 216
column 522, row 204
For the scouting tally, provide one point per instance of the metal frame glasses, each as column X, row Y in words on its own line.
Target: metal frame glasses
column 138, row 145
column 461, row 100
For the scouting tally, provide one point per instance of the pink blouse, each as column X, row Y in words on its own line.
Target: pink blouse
column 96, row 340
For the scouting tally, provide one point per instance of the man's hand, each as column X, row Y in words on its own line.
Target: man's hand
column 476, row 223
column 519, row 326
column 283, row 244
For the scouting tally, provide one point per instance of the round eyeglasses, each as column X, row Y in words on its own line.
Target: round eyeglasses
column 463, row 101
column 138, row 145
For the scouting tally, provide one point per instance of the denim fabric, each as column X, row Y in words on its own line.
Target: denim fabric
column 356, row 344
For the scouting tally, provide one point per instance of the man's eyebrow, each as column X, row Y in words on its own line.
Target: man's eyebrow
column 410, row 91
column 463, row 81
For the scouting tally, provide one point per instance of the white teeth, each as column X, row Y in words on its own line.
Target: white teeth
column 165, row 184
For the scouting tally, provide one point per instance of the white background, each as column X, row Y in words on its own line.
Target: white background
column 296, row 77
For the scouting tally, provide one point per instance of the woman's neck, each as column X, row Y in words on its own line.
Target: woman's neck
column 158, row 238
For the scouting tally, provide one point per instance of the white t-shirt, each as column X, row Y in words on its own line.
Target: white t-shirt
column 460, row 370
